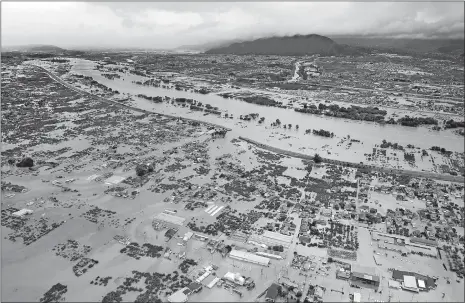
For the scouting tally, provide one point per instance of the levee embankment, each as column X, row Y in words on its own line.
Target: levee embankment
column 411, row 173
column 57, row 79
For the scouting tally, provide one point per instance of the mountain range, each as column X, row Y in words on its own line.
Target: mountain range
column 338, row 45
column 289, row 45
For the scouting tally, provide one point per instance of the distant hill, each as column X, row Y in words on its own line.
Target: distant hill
column 36, row 48
column 290, row 45
column 442, row 46
column 209, row 45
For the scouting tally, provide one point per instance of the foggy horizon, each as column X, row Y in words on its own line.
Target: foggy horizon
column 166, row 25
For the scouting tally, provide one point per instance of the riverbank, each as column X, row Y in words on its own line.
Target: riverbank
column 348, row 160
column 54, row 77
column 411, row 173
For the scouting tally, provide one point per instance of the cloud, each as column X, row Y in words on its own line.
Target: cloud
column 170, row 24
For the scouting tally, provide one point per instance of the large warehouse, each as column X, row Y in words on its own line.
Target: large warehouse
column 249, row 257
column 165, row 218
column 272, row 239
column 364, row 276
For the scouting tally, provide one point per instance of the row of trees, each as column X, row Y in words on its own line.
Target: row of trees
column 369, row 113
column 278, row 123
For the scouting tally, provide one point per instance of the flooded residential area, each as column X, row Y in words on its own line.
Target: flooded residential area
column 278, row 169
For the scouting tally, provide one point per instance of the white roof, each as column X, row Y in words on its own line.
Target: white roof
column 421, row 283
column 249, row 257
column 178, row 297
column 202, row 277
column 357, row 297
column 410, row 282
column 22, row 212
column 277, row 236
column 235, row 277
column 394, row 284
column 170, row 218
column 114, row 180
column 212, row 283
column 188, row 235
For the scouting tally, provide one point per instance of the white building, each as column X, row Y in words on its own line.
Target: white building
column 235, row 278
column 21, row 213
column 249, row 257
column 213, row 283
column 180, row 296
column 188, row 236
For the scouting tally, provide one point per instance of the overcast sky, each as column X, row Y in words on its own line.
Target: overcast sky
column 167, row 25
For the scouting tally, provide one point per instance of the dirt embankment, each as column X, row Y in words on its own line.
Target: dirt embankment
column 412, row 173
column 54, row 77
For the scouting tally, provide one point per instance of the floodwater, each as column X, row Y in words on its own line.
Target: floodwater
column 368, row 133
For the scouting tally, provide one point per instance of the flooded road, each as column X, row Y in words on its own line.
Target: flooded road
column 368, row 133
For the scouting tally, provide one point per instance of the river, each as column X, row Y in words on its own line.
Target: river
column 368, row 133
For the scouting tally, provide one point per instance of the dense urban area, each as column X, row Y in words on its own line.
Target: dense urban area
column 174, row 177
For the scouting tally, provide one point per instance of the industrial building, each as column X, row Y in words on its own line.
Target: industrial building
column 270, row 238
column 114, row 180
column 21, row 213
column 180, row 296
column 410, row 283
column 187, row 236
column 268, row 255
column 422, row 282
column 213, row 282
column 249, row 257
column 272, row 292
column 194, row 287
column 168, row 219
column 235, row 278
column 170, row 233
column 427, row 242
column 365, row 277
column 203, row 276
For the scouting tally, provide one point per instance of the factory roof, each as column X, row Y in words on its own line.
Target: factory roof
column 246, row 256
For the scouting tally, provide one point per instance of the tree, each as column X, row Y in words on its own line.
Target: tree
column 317, row 158
column 289, row 125
column 297, row 126
column 26, row 162
column 141, row 170
column 278, row 122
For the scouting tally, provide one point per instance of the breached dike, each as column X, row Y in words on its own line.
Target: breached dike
column 418, row 174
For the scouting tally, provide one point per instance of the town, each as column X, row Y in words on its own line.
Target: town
column 169, row 176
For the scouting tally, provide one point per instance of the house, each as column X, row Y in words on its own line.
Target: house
column 170, row 233
column 194, row 287
column 343, row 274
column 327, row 212
column 272, row 292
